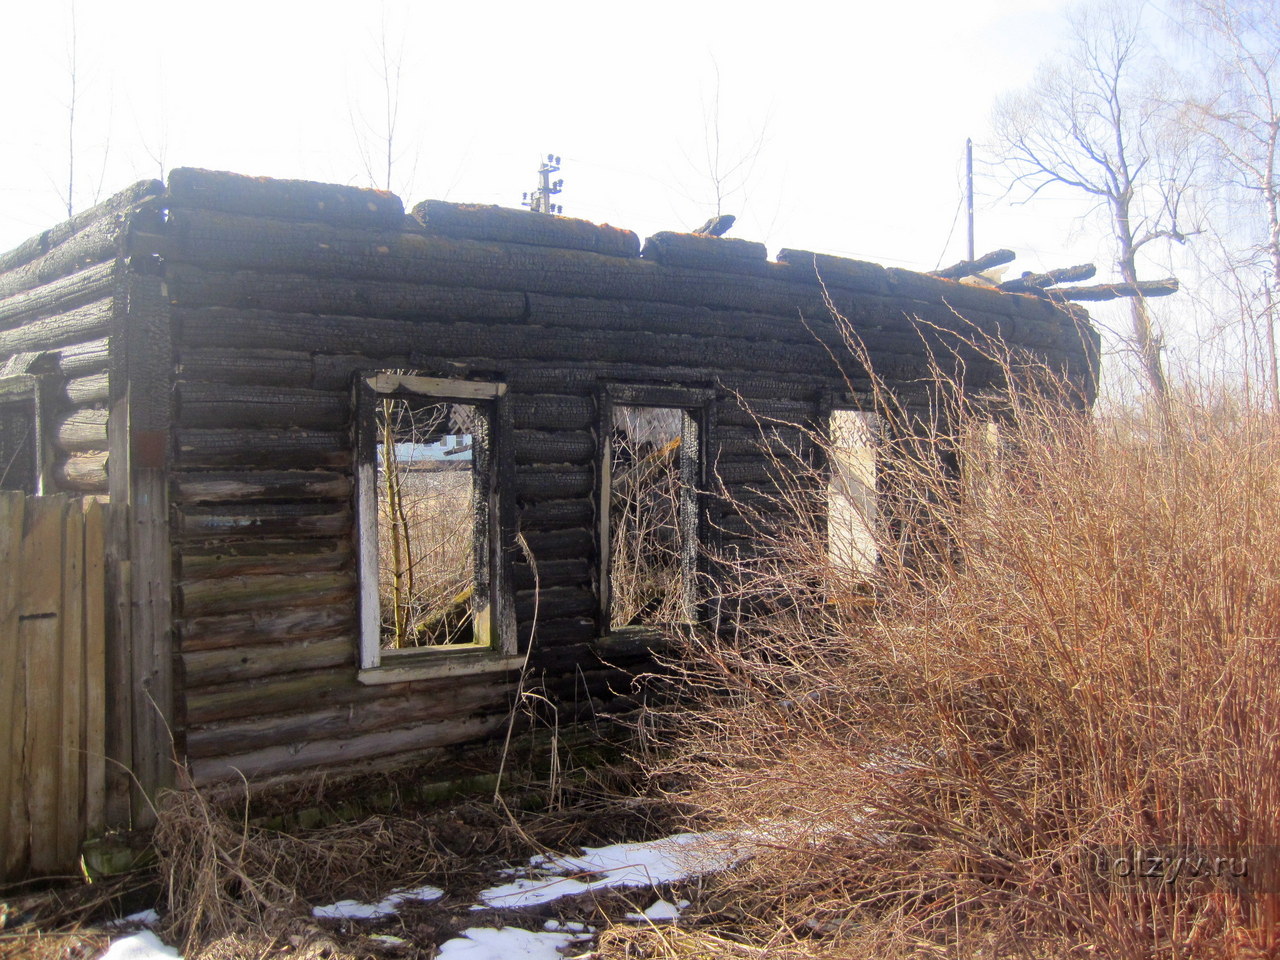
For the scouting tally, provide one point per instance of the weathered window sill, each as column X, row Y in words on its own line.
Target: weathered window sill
column 436, row 664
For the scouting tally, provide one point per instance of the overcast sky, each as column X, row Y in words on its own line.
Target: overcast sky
column 845, row 121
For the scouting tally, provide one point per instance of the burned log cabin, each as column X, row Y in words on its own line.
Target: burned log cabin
column 363, row 466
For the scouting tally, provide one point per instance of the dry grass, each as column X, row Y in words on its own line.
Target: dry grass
column 1072, row 656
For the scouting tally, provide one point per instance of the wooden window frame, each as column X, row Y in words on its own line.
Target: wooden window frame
column 699, row 406
column 496, row 618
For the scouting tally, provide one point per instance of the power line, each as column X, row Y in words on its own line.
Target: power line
column 540, row 200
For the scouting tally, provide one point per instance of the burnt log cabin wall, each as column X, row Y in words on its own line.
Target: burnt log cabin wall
column 282, row 294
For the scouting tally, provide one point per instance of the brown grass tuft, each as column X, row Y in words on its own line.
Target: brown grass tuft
column 1072, row 657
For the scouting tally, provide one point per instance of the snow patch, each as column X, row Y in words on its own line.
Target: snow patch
column 141, row 946
column 505, row 943
column 659, row 912
column 355, row 910
column 644, row 864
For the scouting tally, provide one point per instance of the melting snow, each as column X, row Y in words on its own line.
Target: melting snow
column 618, row 865
column 506, row 943
column 355, row 910
column 662, row 910
column 140, row 946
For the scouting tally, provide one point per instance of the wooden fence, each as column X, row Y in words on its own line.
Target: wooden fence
column 52, row 680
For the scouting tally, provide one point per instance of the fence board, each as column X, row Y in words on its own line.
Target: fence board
column 95, row 667
column 12, row 728
column 52, row 681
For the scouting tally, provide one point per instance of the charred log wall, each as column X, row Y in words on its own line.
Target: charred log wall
column 280, row 292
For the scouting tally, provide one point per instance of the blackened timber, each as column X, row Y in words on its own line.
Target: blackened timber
column 219, row 327
column 479, row 222
column 285, row 199
column 81, row 391
column 1114, row 291
column 225, row 242
column 93, row 245
column 281, row 368
column 1036, row 282
column 81, row 358
column 554, row 446
column 555, row 603
column 54, row 237
column 968, row 268
column 59, row 296
column 74, row 326
column 247, row 486
column 263, row 520
column 535, row 482
column 551, row 573
column 707, row 253
column 304, row 293
column 547, row 513
column 266, row 449
column 548, row 411
column 206, row 404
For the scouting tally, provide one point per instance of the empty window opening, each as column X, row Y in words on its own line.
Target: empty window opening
column 431, row 521
column 18, row 462
column 652, row 516
column 851, row 495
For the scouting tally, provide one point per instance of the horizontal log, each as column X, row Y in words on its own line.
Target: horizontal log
column 574, row 571
column 243, row 486
column 225, row 242
column 542, row 411
column 83, row 472
column 1114, row 291
column 283, row 694
column 968, row 268
column 707, row 253
column 83, row 391
column 318, row 754
column 555, row 603
column 1034, row 282
column 190, row 285
column 92, row 245
column 262, row 448
column 42, row 243
column 484, row 695
column 476, row 222
column 81, row 429
column 251, row 627
column 59, row 296
column 205, row 404
column 75, row 326
column 230, row 664
column 549, row 633
column 285, row 199
column 561, row 544
column 539, row 482
column 219, row 558
column 246, row 366
column 218, row 327
column 544, row 514
column 858, row 275
column 554, row 446
column 82, row 358
column 198, row 598
column 263, row 520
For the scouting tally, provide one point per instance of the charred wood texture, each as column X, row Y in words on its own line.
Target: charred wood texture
column 968, row 268
column 477, row 222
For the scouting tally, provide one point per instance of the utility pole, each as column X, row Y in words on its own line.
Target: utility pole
column 968, row 188
column 540, row 200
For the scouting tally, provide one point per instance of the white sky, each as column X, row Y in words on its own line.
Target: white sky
column 861, row 109
column 854, row 114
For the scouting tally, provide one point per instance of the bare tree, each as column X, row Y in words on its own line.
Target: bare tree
column 1091, row 122
column 377, row 133
column 1240, row 118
